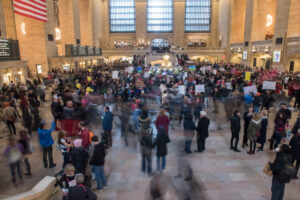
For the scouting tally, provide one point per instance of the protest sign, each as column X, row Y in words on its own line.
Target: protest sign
column 199, row 88
column 181, row 89
column 115, row 75
column 269, row 85
column 192, row 68
column 228, row 86
column 208, row 68
column 139, row 69
column 214, row 71
column 247, row 76
column 147, row 75
column 249, row 89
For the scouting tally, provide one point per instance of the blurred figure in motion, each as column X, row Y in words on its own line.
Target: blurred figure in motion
column 161, row 148
column 189, row 133
column 107, row 124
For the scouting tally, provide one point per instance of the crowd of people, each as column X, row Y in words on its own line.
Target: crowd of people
column 146, row 105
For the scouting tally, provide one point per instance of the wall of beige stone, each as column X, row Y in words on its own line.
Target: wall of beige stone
column 224, row 17
column 294, row 19
column 9, row 19
column 238, row 21
column 86, row 23
column 2, row 22
column 97, row 21
column 50, row 29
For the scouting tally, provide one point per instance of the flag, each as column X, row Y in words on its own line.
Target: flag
column 36, row 9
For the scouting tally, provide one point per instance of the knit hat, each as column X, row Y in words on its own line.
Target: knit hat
column 203, row 113
column 77, row 143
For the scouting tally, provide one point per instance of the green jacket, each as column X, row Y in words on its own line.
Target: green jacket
column 253, row 127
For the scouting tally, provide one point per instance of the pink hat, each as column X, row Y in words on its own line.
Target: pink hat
column 77, row 143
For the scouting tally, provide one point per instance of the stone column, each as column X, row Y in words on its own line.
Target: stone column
column 214, row 34
column 141, row 21
column 86, row 25
column 178, row 23
column 248, row 31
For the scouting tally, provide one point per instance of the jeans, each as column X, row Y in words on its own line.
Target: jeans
column 234, row 136
column 109, row 137
column 28, row 168
column 47, row 151
column 201, row 144
column 66, row 156
column 188, row 143
column 160, row 165
column 206, row 99
column 277, row 189
column 147, row 162
column 256, row 109
column 252, row 144
column 11, row 127
column 100, row 176
column 13, row 166
column 276, row 137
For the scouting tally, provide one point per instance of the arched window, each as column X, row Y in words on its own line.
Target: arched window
column 197, row 15
column 160, row 16
column 122, row 16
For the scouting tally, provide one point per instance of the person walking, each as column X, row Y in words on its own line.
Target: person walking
column 46, row 141
column 235, row 130
column 295, row 148
column 13, row 153
column 279, row 131
column 24, row 140
column 263, row 130
column 107, row 124
column 252, row 132
column 97, row 162
column 10, row 117
column 202, row 131
column 189, row 132
column 161, row 148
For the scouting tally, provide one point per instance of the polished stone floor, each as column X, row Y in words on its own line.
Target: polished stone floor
column 220, row 173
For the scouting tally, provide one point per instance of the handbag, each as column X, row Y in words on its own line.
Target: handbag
column 258, row 134
column 267, row 170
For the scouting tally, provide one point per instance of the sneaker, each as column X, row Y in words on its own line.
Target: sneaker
column 236, row 150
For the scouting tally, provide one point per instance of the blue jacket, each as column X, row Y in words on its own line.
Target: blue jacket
column 248, row 98
column 46, row 139
column 107, row 121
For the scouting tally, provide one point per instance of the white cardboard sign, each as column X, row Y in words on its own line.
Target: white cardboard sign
column 181, row 89
column 228, row 86
column 269, row 85
column 249, row 89
column 115, row 74
column 199, row 88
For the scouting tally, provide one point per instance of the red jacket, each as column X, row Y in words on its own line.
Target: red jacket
column 85, row 136
column 163, row 121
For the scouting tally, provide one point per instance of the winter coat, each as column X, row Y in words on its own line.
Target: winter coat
column 296, row 126
column 253, row 128
column 68, row 113
column 145, row 122
column 163, row 122
column 45, row 136
column 279, row 163
column 161, row 143
column 202, row 128
column 247, row 118
column 147, row 145
column 189, row 128
column 79, row 158
column 263, row 131
column 98, row 157
column 295, row 146
column 235, row 124
column 107, row 121
column 85, row 136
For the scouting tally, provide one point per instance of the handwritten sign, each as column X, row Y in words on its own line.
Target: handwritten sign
column 181, row 89
column 249, row 89
column 247, row 76
column 199, row 88
column 269, row 85
column 115, row 74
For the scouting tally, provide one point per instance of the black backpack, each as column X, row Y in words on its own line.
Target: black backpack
column 288, row 171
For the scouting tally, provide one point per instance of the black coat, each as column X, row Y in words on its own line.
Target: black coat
column 247, row 120
column 202, row 128
column 295, row 146
column 296, row 126
column 161, row 144
column 263, row 131
column 235, row 124
column 279, row 163
column 79, row 158
column 98, row 157
column 81, row 192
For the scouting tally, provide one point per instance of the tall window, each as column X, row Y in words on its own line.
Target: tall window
column 197, row 15
column 160, row 16
column 122, row 16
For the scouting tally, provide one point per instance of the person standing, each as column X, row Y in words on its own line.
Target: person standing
column 279, row 131
column 235, row 130
column 97, row 162
column 84, row 134
column 107, row 124
column 64, row 147
column 297, row 124
column 79, row 157
column 46, row 141
column 146, row 150
column 253, row 128
column 162, row 120
column 283, row 157
column 189, row 132
column 161, row 148
column 247, row 119
column 257, row 102
column 295, row 147
column 263, row 130
column 202, row 131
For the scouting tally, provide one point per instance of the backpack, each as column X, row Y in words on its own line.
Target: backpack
column 288, row 171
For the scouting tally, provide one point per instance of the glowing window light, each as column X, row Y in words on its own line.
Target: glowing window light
column 269, row 20
column 23, row 28
column 57, row 34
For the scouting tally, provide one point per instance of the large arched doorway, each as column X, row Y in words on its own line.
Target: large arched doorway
column 160, row 45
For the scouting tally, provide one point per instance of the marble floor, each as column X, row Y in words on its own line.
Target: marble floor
column 218, row 173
